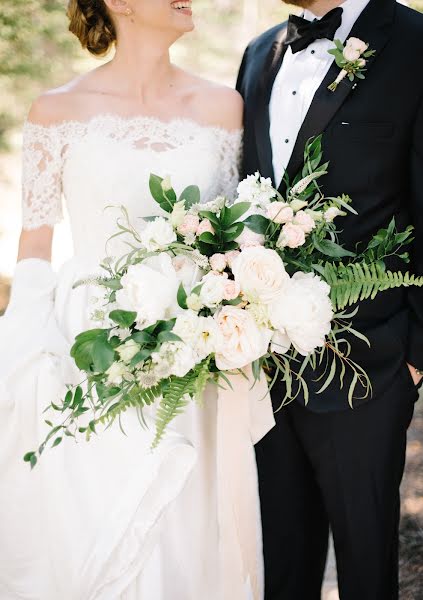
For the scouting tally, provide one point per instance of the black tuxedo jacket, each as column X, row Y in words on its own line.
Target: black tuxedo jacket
column 373, row 138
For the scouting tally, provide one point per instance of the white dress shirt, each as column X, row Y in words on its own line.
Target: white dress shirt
column 297, row 82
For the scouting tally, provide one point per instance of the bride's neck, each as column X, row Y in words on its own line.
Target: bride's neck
column 142, row 67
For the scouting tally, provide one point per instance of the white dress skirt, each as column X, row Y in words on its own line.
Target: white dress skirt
column 111, row 519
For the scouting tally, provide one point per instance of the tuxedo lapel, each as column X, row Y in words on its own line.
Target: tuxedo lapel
column 262, row 118
column 373, row 27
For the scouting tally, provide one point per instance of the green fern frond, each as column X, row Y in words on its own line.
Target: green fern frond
column 136, row 397
column 359, row 281
column 173, row 402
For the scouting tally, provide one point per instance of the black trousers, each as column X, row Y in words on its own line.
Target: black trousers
column 340, row 470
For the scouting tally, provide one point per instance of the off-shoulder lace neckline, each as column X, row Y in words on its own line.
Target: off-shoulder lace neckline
column 135, row 120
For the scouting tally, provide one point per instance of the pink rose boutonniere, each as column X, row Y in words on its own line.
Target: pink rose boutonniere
column 351, row 58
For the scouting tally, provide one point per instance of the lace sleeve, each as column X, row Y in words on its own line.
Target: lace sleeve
column 42, row 167
column 230, row 162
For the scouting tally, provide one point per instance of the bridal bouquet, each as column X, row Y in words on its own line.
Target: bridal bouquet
column 208, row 289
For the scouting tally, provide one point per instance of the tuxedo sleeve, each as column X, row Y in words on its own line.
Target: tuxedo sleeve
column 415, row 294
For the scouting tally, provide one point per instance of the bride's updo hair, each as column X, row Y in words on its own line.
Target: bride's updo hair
column 92, row 24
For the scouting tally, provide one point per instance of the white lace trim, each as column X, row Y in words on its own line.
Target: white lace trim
column 45, row 150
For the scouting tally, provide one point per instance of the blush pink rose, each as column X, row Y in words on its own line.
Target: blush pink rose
column 305, row 221
column 279, row 212
column 231, row 290
column 351, row 54
column 249, row 239
column 292, row 236
column 189, row 225
column 204, row 227
column 218, row 262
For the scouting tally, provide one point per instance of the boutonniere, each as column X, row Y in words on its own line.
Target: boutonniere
column 351, row 58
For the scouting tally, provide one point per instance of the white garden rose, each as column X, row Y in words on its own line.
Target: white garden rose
column 242, row 340
column 128, row 350
column 260, row 274
column 213, row 289
column 158, row 235
column 150, row 289
column 303, row 312
column 117, row 372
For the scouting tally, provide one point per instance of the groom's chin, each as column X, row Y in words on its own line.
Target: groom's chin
column 302, row 3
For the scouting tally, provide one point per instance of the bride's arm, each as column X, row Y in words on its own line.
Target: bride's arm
column 42, row 160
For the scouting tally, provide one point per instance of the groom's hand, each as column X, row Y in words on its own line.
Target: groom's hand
column 416, row 377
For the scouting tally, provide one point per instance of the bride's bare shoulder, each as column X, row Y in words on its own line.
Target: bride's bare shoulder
column 68, row 102
column 215, row 104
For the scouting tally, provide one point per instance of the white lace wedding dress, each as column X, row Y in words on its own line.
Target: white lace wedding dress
column 109, row 519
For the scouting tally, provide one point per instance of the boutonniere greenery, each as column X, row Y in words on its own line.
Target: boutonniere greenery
column 351, row 58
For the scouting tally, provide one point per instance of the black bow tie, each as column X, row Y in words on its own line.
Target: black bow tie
column 301, row 33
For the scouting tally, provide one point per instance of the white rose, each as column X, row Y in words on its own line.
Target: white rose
column 279, row 212
column 305, row 221
column 351, row 54
column 186, row 270
column 291, row 236
column 331, row 214
column 213, row 290
column 242, row 340
column 150, row 289
column 250, row 239
column 158, row 235
column 117, row 372
column 178, row 213
column 357, row 44
column 260, row 273
column 303, row 312
column 128, row 350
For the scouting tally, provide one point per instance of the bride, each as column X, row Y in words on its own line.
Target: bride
column 110, row 520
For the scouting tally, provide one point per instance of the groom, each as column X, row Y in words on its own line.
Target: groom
column 326, row 464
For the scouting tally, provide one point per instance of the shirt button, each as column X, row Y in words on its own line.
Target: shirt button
column 286, row 141
column 294, row 93
column 313, row 51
